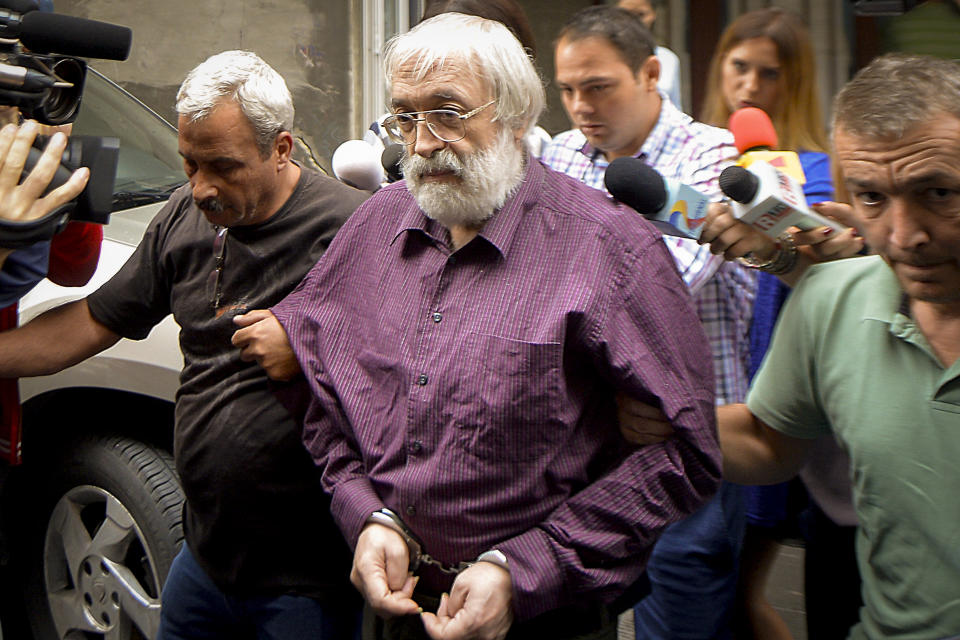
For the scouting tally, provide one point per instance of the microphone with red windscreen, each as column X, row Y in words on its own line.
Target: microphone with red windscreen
column 756, row 139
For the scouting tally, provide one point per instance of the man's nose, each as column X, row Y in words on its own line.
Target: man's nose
column 579, row 103
column 203, row 187
column 426, row 143
column 906, row 229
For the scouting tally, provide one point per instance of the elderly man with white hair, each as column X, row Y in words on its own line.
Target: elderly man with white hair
column 465, row 338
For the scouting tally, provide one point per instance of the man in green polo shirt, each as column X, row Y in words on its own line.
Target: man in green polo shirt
column 869, row 349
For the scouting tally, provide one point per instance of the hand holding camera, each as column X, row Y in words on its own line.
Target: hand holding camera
column 24, row 201
column 47, row 87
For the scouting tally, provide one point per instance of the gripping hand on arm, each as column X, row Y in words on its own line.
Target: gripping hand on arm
column 641, row 423
column 753, row 453
column 261, row 338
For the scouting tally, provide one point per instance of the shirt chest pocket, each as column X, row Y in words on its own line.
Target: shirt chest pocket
column 512, row 408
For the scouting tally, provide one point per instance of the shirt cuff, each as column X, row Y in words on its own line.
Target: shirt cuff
column 285, row 312
column 536, row 573
column 352, row 503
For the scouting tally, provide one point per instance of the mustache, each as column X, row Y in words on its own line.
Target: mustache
column 919, row 260
column 210, row 205
column 443, row 160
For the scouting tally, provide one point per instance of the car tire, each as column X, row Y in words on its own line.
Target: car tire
column 105, row 538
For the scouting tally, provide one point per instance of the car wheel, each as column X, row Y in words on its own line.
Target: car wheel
column 110, row 531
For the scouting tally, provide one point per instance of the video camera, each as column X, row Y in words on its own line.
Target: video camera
column 41, row 75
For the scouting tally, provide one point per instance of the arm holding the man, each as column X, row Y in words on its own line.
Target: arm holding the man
column 753, row 452
column 766, row 440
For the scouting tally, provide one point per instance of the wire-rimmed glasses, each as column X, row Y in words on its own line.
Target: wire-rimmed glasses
column 446, row 124
column 216, row 275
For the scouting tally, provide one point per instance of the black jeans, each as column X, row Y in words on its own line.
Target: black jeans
column 831, row 577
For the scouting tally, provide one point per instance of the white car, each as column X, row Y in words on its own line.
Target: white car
column 91, row 518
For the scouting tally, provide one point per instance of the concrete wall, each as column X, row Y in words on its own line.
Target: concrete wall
column 308, row 41
column 315, row 44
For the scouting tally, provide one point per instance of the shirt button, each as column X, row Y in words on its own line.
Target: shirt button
column 437, row 317
column 422, row 379
column 411, row 510
column 416, row 446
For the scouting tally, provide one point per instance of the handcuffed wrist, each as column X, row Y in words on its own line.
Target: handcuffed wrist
column 495, row 556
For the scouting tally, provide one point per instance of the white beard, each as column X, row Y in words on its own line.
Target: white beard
column 487, row 178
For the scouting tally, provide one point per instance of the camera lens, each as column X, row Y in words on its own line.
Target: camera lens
column 62, row 103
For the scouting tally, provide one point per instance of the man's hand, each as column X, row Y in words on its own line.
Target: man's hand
column 734, row 239
column 641, row 423
column 821, row 245
column 479, row 606
column 22, row 202
column 379, row 572
column 262, row 339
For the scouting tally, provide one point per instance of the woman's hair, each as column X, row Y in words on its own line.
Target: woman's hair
column 507, row 12
column 798, row 121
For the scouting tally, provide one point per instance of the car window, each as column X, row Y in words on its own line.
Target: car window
column 149, row 167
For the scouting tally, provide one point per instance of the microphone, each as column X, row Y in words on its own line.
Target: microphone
column 20, row 6
column 391, row 159
column 756, row 139
column 673, row 207
column 43, row 32
column 357, row 164
column 770, row 200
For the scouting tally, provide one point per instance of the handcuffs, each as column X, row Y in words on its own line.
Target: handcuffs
column 419, row 557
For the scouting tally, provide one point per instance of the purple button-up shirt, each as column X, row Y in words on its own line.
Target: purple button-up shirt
column 472, row 391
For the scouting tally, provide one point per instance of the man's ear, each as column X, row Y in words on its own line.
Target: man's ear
column 649, row 73
column 284, row 148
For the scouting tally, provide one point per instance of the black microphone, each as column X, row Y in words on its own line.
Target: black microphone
column 20, row 6
column 739, row 184
column 673, row 207
column 391, row 159
column 43, row 32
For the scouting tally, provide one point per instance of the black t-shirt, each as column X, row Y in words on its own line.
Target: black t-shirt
column 256, row 517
